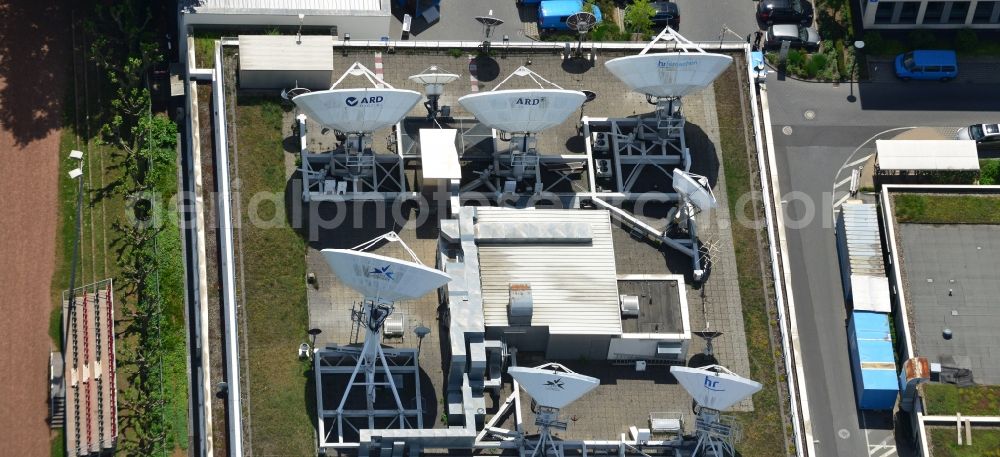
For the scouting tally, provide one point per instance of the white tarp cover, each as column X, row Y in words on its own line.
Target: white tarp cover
column 439, row 155
column 927, row 155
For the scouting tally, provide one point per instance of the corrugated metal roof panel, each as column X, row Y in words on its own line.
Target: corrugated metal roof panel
column 265, row 6
column 860, row 230
column 871, row 293
column 574, row 287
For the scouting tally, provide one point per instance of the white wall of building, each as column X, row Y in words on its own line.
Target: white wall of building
column 927, row 14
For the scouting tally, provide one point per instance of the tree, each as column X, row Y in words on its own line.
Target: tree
column 639, row 16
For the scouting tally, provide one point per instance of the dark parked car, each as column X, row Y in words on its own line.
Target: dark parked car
column 985, row 135
column 798, row 36
column 666, row 14
column 770, row 12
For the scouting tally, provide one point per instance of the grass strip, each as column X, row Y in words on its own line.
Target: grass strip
column 274, row 278
column 762, row 428
column 985, row 443
column 947, row 209
column 948, row 399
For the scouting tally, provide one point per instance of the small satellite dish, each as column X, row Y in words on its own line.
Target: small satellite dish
column 381, row 277
column 581, row 22
column 433, row 80
column 357, row 110
column 551, row 388
column 523, row 110
column 489, row 22
column 669, row 74
column 716, row 390
column 695, row 188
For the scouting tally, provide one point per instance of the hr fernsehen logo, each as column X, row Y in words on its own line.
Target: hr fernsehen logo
column 713, row 385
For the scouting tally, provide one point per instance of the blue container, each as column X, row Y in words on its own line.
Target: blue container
column 873, row 362
column 552, row 14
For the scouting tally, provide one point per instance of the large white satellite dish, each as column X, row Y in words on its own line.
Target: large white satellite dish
column 551, row 388
column 523, row 110
column 357, row 110
column 385, row 278
column 695, row 188
column 669, row 74
column 716, row 390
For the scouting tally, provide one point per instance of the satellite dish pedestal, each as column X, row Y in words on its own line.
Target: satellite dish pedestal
column 695, row 196
column 551, row 387
column 714, row 388
column 383, row 281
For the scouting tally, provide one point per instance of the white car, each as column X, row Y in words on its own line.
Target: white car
column 985, row 135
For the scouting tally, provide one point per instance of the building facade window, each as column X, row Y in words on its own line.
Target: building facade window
column 933, row 12
column 883, row 14
column 959, row 10
column 984, row 12
column 908, row 13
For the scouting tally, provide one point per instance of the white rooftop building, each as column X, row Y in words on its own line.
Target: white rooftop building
column 363, row 19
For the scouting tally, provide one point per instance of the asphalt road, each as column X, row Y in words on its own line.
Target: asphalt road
column 826, row 131
column 700, row 21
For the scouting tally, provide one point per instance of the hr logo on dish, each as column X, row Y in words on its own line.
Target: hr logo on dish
column 712, row 385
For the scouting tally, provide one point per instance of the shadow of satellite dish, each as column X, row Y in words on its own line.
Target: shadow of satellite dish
column 487, row 68
column 577, row 65
column 701, row 360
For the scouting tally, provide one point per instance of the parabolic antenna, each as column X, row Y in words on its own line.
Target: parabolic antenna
column 488, row 23
column 523, row 110
column 714, row 390
column 385, row 278
column 433, row 80
column 581, row 22
column 669, row 74
column 551, row 388
column 357, row 110
column 695, row 188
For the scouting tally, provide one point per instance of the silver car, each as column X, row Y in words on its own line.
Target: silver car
column 985, row 135
column 797, row 36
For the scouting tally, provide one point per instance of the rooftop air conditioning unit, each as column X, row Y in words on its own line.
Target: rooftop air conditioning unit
column 630, row 305
column 603, row 168
column 519, row 306
column 602, row 142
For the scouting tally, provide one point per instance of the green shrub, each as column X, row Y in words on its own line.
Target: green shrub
column 639, row 16
column 607, row 30
column 966, row 40
column 989, row 172
column 455, row 52
column 924, row 39
column 841, row 61
column 796, row 58
column 816, row 63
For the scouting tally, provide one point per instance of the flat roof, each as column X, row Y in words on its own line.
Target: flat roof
column 927, row 155
column 287, row 6
column 286, row 52
column 574, row 286
column 660, row 305
column 951, row 272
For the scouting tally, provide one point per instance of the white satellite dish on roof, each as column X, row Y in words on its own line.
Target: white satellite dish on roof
column 669, row 74
column 551, row 388
column 386, row 278
column 357, row 110
column 716, row 390
column 694, row 188
column 433, row 80
column 523, row 110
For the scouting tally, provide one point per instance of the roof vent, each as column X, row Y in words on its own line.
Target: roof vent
column 630, row 305
column 519, row 306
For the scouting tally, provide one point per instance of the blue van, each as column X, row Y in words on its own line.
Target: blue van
column 927, row 65
column 552, row 14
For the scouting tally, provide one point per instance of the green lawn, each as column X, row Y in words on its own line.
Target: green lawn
column 944, row 443
column 948, row 399
column 274, row 268
column 762, row 428
column 947, row 209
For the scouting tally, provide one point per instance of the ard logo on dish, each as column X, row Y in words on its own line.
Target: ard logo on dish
column 353, row 101
column 529, row 101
